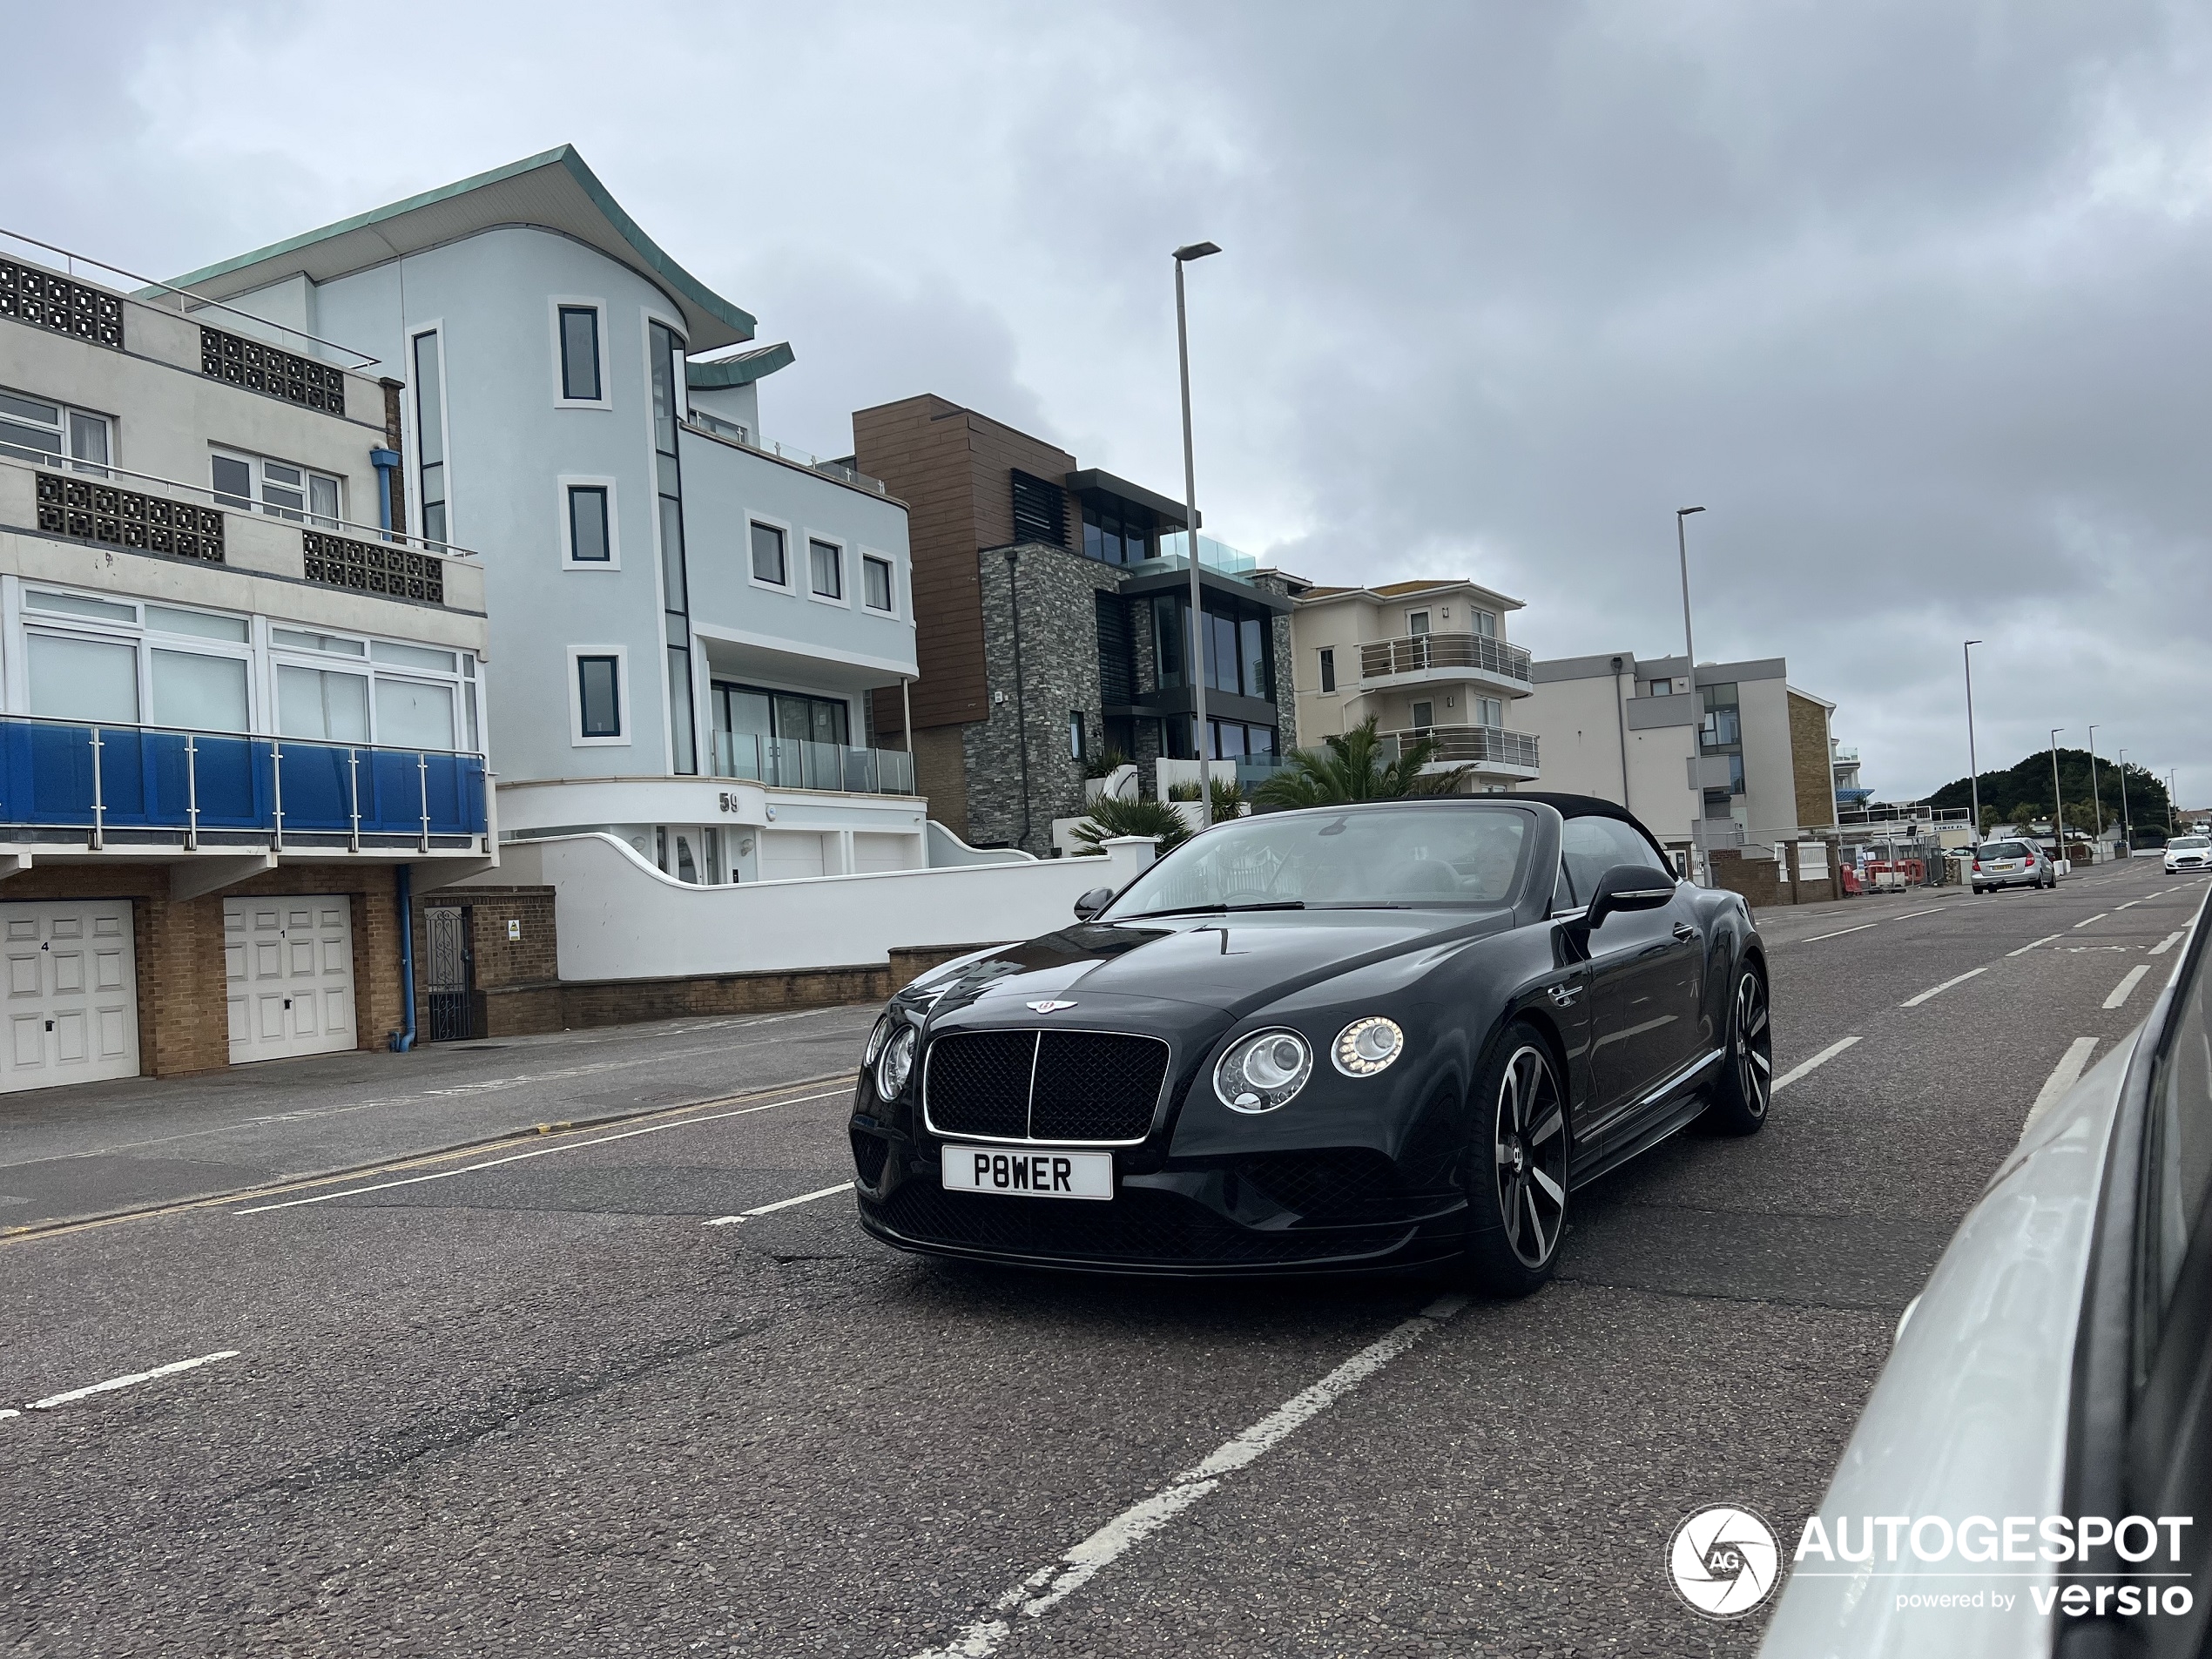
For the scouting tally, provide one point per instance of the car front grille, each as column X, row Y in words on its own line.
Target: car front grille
column 869, row 1154
column 1062, row 1086
column 1141, row 1226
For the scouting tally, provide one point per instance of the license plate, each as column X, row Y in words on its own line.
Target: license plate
column 1021, row 1171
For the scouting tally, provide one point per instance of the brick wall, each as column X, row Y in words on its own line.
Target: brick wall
column 1758, row 880
column 184, row 1020
column 1812, row 771
column 497, row 963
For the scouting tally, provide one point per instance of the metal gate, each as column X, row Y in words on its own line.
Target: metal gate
column 449, row 973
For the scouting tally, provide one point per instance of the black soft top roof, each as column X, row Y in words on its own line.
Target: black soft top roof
column 1589, row 806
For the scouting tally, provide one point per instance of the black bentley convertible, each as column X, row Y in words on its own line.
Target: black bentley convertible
column 1345, row 1038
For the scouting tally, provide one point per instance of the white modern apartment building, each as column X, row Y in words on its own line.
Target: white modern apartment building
column 1747, row 754
column 1421, row 659
column 688, row 618
column 238, row 712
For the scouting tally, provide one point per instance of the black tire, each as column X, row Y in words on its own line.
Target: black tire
column 1745, row 1086
column 1517, row 1167
column 1980, row 890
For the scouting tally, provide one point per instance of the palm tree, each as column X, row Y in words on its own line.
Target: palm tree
column 1350, row 768
column 1111, row 816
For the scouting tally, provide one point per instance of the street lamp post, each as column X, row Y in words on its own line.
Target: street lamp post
column 2096, row 800
column 2058, row 802
column 1973, row 765
column 1183, row 257
column 2126, row 831
column 1689, row 640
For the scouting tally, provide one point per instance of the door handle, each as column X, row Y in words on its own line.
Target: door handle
column 1684, row 932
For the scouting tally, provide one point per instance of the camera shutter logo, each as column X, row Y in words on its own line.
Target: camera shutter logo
column 1725, row 1560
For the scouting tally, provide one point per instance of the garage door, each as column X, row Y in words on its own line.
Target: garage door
column 72, row 993
column 290, row 965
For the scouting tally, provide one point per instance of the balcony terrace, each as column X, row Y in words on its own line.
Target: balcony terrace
column 796, row 762
column 1491, row 751
column 1440, row 658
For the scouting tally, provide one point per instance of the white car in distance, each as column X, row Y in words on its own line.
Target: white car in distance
column 2187, row 853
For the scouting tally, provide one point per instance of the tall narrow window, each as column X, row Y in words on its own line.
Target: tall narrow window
column 826, row 562
column 768, row 555
column 587, row 542
column 1075, row 733
column 598, row 697
column 1328, row 668
column 878, row 575
column 666, row 350
column 430, row 436
column 580, row 353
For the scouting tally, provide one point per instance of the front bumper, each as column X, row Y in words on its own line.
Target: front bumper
column 1323, row 1211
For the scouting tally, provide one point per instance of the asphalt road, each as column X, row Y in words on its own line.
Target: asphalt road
column 526, row 1401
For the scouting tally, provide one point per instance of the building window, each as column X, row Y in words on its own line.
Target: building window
column 1416, row 622
column 768, row 556
column 1423, row 716
column 33, row 429
column 278, row 487
column 1486, row 624
column 825, row 570
column 876, row 574
column 588, row 538
column 1328, row 669
column 1114, row 537
column 598, row 688
column 1489, row 710
column 384, row 691
column 666, row 364
column 1723, row 726
column 1075, row 733
column 430, row 436
column 580, row 354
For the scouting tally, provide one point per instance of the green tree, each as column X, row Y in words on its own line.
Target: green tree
column 1350, row 767
column 1109, row 817
column 1226, row 800
column 2023, row 791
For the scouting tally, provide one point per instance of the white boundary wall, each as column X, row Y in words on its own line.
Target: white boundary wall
column 620, row 918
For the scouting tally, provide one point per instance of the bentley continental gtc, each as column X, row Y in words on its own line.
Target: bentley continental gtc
column 1384, row 1034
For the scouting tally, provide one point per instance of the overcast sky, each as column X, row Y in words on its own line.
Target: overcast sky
column 1913, row 297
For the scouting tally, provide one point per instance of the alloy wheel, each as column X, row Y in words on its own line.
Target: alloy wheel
column 1753, row 1040
column 1530, row 1149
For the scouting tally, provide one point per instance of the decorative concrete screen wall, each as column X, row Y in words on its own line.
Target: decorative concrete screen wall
column 620, row 918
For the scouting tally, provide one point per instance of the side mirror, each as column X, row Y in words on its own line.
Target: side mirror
column 1629, row 887
column 1092, row 902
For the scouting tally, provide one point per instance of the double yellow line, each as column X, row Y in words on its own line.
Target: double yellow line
column 535, row 1136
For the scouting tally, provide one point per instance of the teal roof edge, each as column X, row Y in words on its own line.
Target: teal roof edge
column 740, row 370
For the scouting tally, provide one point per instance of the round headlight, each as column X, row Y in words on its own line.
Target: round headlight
column 1367, row 1046
column 1263, row 1072
column 896, row 1064
column 875, row 1040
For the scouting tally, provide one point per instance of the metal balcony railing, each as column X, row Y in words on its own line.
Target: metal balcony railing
column 731, row 432
column 1418, row 653
column 794, row 763
column 1476, row 746
column 163, row 784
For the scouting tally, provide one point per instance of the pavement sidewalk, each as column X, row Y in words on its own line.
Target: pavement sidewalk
column 97, row 1149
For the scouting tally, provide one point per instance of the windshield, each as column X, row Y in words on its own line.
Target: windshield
column 2192, row 841
column 1378, row 857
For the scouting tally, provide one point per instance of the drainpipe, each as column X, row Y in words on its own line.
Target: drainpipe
column 403, row 1039
column 387, row 462
column 1021, row 708
column 1620, row 718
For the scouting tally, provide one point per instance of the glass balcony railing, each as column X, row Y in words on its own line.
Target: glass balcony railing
column 163, row 786
column 794, row 763
column 1419, row 653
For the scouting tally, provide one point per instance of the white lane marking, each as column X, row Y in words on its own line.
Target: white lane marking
column 1938, row 990
column 2063, row 1076
column 1902, row 915
column 2169, row 941
column 2131, row 903
column 6, row 1415
column 2086, row 921
column 1048, row 1586
column 2032, row 944
column 1861, row 929
column 542, row 1151
column 1804, row 1066
column 780, row 1204
column 130, row 1381
column 2128, row 981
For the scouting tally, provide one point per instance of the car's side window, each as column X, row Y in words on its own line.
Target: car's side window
column 1590, row 846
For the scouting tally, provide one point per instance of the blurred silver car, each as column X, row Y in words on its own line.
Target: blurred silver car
column 2045, row 1409
column 2012, row 864
column 2185, row 852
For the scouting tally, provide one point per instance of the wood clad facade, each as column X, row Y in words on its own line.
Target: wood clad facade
column 953, row 468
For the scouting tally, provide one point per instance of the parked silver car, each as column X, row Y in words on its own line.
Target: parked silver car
column 2037, row 1452
column 2012, row 864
